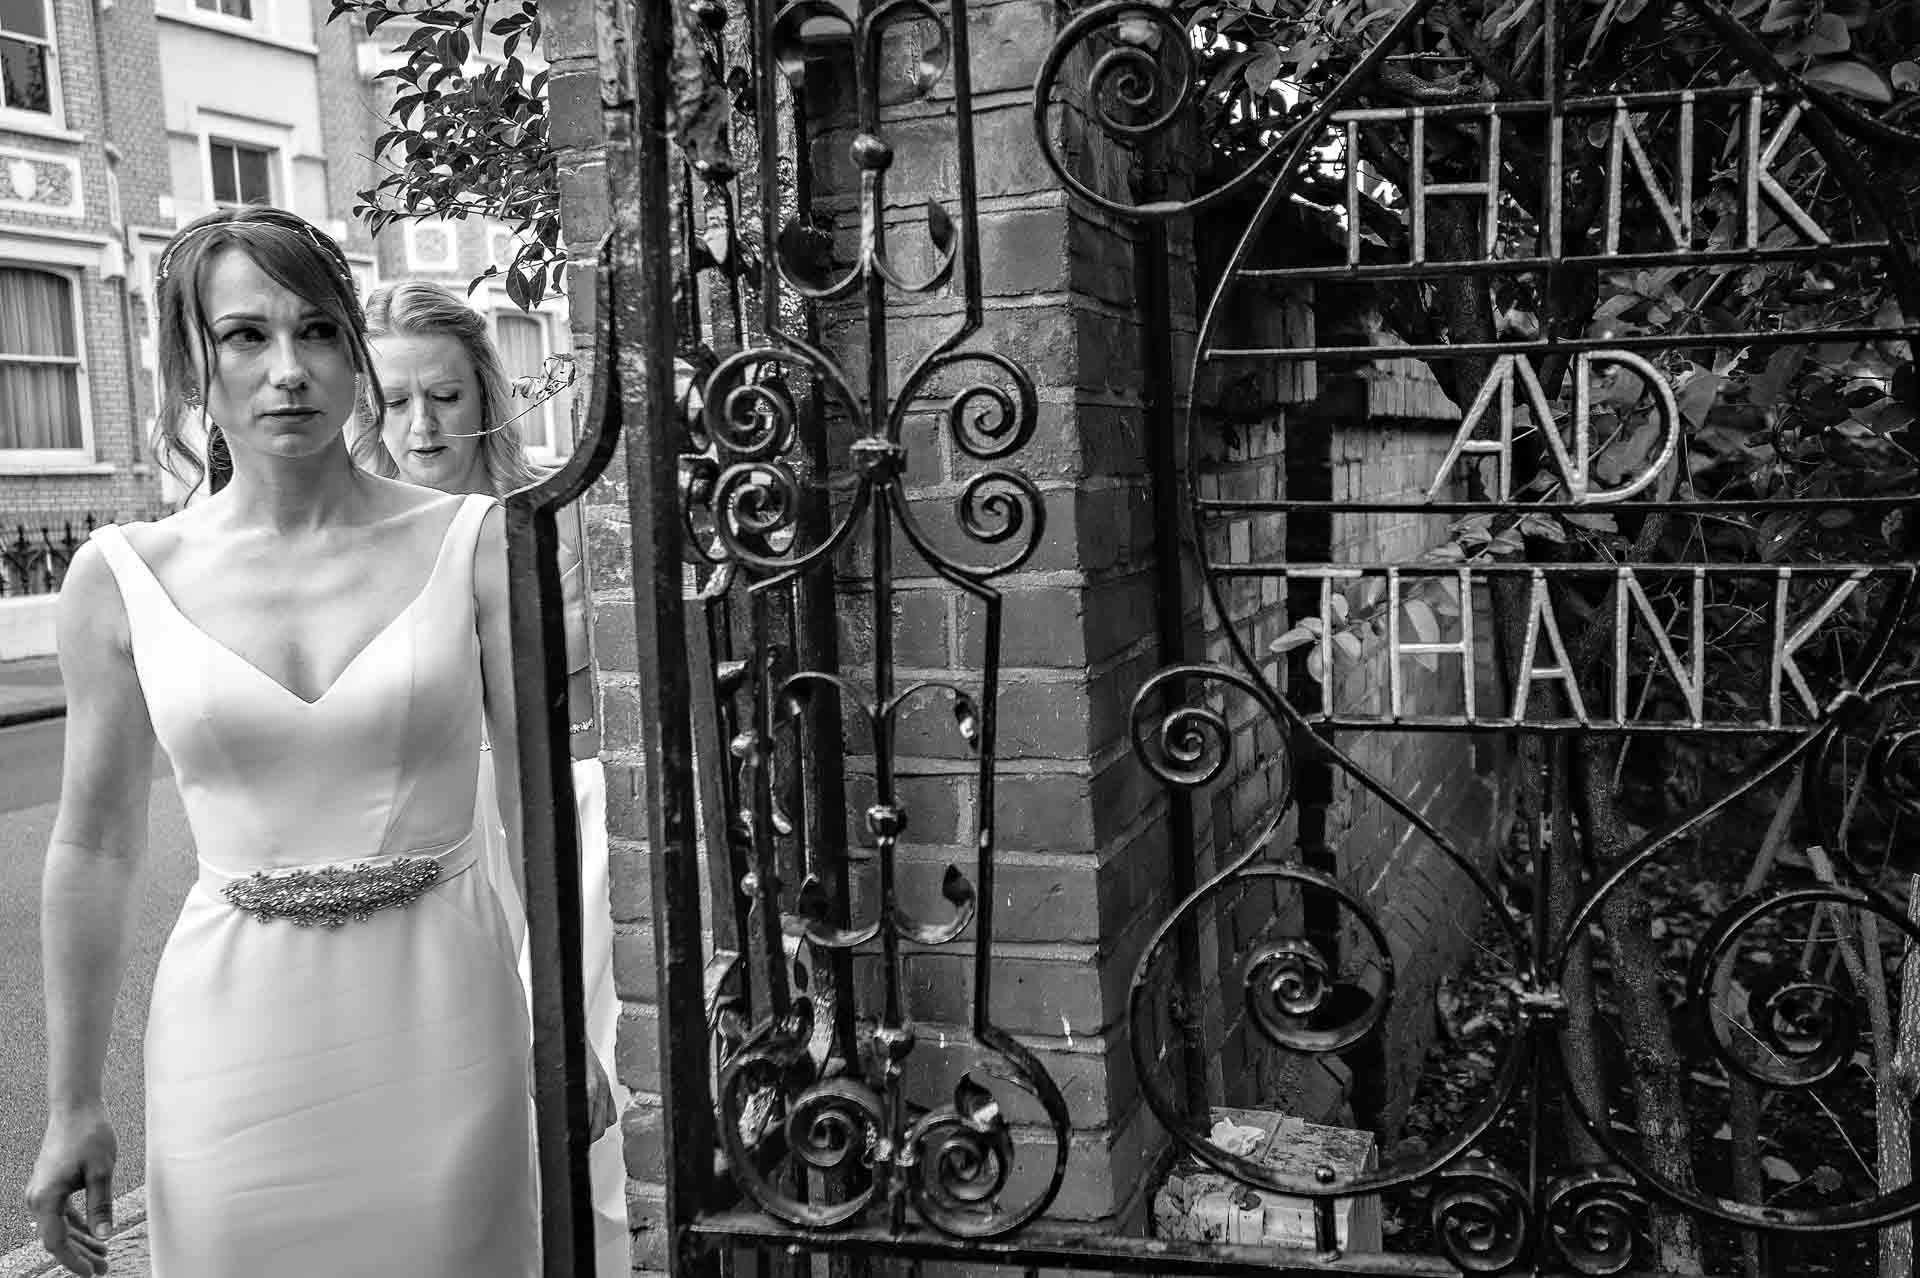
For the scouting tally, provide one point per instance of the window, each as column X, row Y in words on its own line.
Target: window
column 40, row 388
column 26, row 56
column 523, row 349
column 241, row 174
column 242, row 9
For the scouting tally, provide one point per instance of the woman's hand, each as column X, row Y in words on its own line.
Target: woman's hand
column 77, row 1152
column 600, row 1107
column 600, row 1112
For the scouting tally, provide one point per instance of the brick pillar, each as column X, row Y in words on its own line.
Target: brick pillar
column 1083, row 858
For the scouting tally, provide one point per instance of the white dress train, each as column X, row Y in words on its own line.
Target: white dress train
column 607, row 1166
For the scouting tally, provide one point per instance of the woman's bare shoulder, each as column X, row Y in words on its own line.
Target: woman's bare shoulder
column 397, row 499
column 156, row 540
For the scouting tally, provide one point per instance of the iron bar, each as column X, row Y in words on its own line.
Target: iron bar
column 1150, row 266
column 1570, row 345
column 1051, row 1245
column 641, row 369
column 1430, row 268
column 1884, row 504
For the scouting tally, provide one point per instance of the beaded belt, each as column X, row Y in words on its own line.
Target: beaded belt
column 346, row 891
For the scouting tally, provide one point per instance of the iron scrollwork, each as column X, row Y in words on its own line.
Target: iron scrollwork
column 1790, row 1033
column 819, row 1129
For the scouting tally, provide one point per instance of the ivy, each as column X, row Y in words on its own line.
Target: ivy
column 467, row 133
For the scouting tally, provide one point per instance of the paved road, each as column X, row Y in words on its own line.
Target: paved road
column 29, row 785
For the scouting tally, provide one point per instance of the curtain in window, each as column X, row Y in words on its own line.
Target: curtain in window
column 39, row 403
column 523, row 349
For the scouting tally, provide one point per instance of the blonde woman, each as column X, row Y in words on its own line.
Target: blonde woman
column 447, row 424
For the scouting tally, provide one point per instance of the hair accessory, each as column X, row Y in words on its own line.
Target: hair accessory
column 190, row 396
column 331, row 253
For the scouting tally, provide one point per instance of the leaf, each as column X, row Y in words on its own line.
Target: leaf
column 1298, row 637
column 1784, row 14
column 1420, row 617
column 1856, row 79
column 1509, row 542
column 1591, row 522
column 1697, row 397
column 1826, row 1179
column 1765, row 390
column 1906, row 76
column 1828, row 34
column 1538, row 525
column 1348, row 644
column 1337, row 605
column 1778, row 1168
column 1316, row 668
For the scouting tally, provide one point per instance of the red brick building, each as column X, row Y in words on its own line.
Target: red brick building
column 123, row 121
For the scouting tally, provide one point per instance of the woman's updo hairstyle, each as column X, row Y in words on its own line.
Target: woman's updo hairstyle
column 419, row 308
column 294, row 254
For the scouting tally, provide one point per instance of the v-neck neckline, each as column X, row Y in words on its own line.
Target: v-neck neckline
column 433, row 576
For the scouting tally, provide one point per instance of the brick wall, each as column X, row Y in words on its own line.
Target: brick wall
column 347, row 129
column 118, row 484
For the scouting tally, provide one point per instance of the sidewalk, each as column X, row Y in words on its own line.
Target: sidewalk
column 126, row 1250
column 30, row 691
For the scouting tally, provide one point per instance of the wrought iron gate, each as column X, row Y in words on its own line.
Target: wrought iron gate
column 1579, row 461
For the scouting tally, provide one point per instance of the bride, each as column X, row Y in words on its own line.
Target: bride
column 337, row 1047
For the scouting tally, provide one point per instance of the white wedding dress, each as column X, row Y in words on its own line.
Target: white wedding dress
column 343, row 1101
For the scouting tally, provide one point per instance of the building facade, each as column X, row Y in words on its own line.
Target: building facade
column 123, row 120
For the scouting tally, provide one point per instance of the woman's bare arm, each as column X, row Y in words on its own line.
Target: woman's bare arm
column 99, row 839
column 100, row 834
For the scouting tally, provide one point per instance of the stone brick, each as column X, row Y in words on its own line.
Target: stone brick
column 626, row 812
column 1107, row 1171
column 919, row 629
column 647, row 1224
column 1122, row 791
column 1093, row 1072
column 1040, row 901
column 631, row 888
column 573, row 95
column 1044, row 812
column 636, row 1053
column 635, row 975
column 1038, row 992
column 615, row 641
column 1103, row 259
column 1023, row 250
column 643, row 1140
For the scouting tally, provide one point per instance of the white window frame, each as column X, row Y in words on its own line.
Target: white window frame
column 215, row 11
column 55, row 117
column 236, row 145
column 261, row 135
column 546, row 453
column 31, row 459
